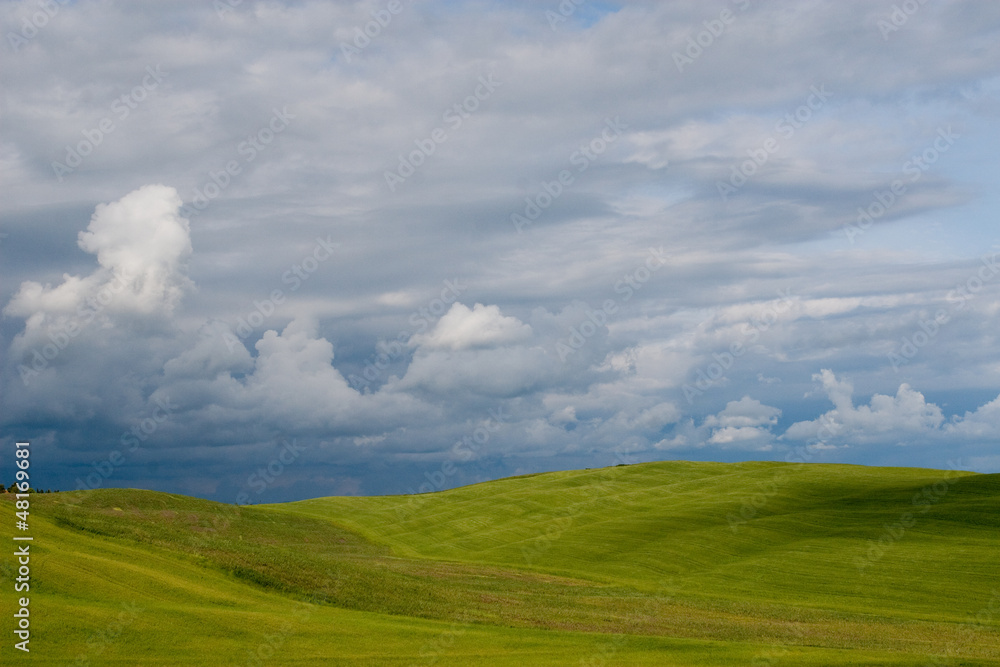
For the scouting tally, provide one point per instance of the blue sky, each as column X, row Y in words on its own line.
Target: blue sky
column 260, row 254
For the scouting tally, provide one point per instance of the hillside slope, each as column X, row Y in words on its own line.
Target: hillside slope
column 655, row 564
column 892, row 540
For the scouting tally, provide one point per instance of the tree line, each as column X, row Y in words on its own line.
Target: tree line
column 13, row 489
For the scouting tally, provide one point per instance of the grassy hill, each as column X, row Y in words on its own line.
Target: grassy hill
column 670, row 563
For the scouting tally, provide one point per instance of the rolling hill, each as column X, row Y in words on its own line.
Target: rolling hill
column 670, row 563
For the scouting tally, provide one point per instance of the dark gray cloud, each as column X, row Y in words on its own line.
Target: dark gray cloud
column 480, row 240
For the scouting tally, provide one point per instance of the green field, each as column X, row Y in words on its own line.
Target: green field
column 671, row 563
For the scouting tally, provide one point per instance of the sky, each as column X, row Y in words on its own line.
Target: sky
column 264, row 251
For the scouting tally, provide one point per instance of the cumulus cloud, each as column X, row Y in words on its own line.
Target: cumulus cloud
column 742, row 424
column 140, row 242
column 213, row 353
column 907, row 412
column 981, row 424
column 743, row 413
column 291, row 384
column 88, row 340
column 482, row 326
column 729, row 435
column 637, row 420
column 481, row 351
column 294, row 380
column 656, row 417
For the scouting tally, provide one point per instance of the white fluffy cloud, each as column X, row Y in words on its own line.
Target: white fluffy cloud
column 481, row 327
column 291, row 383
column 907, row 412
column 481, row 351
column 140, row 242
column 983, row 423
column 141, row 245
column 743, row 424
column 743, row 413
column 730, row 435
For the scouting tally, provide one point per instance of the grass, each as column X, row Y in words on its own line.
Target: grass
column 670, row 563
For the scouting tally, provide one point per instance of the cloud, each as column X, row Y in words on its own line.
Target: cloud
column 480, row 351
column 894, row 416
column 140, row 242
column 745, row 412
column 291, row 384
column 656, row 417
column 213, row 353
column 481, row 327
column 981, row 424
column 742, row 424
column 730, row 435
column 89, row 342
column 143, row 238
